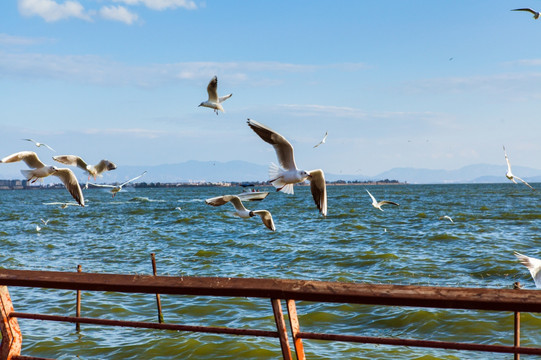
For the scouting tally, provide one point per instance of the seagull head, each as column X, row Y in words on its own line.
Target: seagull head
column 53, row 169
column 251, row 213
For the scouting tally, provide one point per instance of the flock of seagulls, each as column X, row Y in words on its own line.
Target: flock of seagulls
column 282, row 176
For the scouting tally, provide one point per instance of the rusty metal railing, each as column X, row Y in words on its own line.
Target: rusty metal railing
column 276, row 290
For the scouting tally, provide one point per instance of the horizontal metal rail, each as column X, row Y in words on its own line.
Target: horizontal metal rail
column 308, row 290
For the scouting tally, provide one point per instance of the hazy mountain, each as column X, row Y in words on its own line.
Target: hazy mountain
column 214, row 171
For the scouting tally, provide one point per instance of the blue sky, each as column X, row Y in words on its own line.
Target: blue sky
column 425, row 84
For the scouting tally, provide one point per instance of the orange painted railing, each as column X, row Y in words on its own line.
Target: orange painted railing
column 277, row 290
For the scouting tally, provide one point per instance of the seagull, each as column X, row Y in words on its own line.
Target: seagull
column 534, row 265
column 92, row 170
column 45, row 222
column 446, row 217
column 535, row 13
column 40, row 170
column 283, row 179
column 117, row 188
column 38, row 144
column 214, row 102
column 241, row 211
column 377, row 204
column 38, row 228
column 322, row 141
column 510, row 175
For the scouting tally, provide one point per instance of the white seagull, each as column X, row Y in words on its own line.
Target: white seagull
column 322, row 141
column 38, row 144
column 377, row 204
column 510, row 175
column 40, row 170
column 446, row 217
column 284, row 178
column 117, row 188
column 534, row 265
column 535, row 13
column 214, row 102
column 45, row 222
column 241, row 211
column 92, row 170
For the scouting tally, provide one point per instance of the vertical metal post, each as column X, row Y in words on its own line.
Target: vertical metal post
column 9, row 328
column 281, row 327
column 516, row 285
column 295, row 329
column 78, row 305
column 158, row 301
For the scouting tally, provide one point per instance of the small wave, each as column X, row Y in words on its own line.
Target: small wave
column 442, row 237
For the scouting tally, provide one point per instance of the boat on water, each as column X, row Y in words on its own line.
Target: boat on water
column 252, row 194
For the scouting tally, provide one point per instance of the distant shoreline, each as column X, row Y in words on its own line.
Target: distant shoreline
column 25, row 185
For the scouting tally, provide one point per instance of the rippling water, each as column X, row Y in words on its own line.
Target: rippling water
column 408, row 244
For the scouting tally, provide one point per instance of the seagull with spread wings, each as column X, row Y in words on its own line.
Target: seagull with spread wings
column 40, row 170
column 241, row 211
column 38, row 144
column 92, row 170
column 214, row 102
column 322, row 141
column 379, row 204
column 283, row 178
column 116, row 188
column 510, row 175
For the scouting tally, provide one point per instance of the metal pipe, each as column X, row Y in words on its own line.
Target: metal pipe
column 146, row 325
column 78, row 305
column 158, row 301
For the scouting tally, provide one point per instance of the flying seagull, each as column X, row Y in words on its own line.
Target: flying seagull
column 322, row 141
column 92, row 170
column 214, row 102
column 534, row 265
column 284, row 178
column 535, row 13
column 38, row 144
column 510, row 175
column 446, row 217
column 241, row 211
column 40, row 170
column 117, row 188
column 377, row 204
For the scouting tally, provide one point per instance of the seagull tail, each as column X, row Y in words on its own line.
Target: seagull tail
column 27, row 174
column 275, row 176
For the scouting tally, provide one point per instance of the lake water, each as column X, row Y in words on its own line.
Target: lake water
column 408, row 244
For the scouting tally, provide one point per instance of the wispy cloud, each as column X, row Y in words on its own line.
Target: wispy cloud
column 134, row 132
column 52, row 11
column 118, row 13
column 6, row 39
column 161, row 4
column 102, row 71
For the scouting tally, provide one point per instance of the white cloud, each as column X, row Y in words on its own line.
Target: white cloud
column 161, row 4
column 118, row 13
column 52, row 11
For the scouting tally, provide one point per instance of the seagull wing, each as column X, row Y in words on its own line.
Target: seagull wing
column 216, row 201
column 284, row 150
column 266, row 217
column 224, row 98
column 135, row 178
column 48, row 147
column 525, row 183
column 374, row 201
column 526, row 9
column 70, row 182
column 104, row 165
column 507, row 160
column 385, row 202
column 212, row 89
column 102, row 185
column 534, row 265
column 29, row 157
column 235, row 200
column 71, row 160
column 319, row 190
column 322, row 141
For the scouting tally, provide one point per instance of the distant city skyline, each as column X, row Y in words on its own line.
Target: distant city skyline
column 432, row 85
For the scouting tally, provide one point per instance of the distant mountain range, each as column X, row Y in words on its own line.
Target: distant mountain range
column 239, row 171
